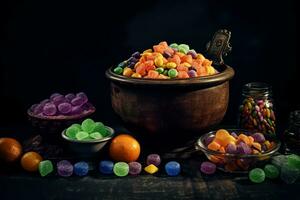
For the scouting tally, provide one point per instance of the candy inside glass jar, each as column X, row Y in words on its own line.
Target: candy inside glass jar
column 256, row 112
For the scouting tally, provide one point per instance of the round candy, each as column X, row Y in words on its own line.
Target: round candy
column 231, row 148
column 257, row 175
column 30, row 161
column 118, row 70
column 64, row 108
column 153, row 159
column 258, row 137
column 271, row 171
column 49, row 109
column 64, row 168
column 58, row 100
column 72, row 131
column 76, row 110
column 121, row 169
column 106, row 167
column 70, row 96
column 208, row 168
column 78, row 101
column 192, row 73
column 45, row 167
column 88, row 125
column 135, row 168
column 172, row 73
column 81, row 168
column 52, row 96
column 172, row 168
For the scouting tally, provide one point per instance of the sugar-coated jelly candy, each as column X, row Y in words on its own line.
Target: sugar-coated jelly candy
column 49, row 109
column 118, row 70
column 151, row 169
column 81, row 168
column 172, row 73
column 208, row 167
column 172, row 168
column 294, row 160
column 135, row 168
column 58, row 100
column 76, row 110
column 64, row 168
column 153, row 159
column 81, row 135
column 54, row 95
column 121, row 169
column 258, row 137
column 243, row 148
column 64, row 108
column 106, row 167
column 231, row 148
column 72, row 131
column 192, row 73
column 88, row 125
column 45, row 167
column 289, row 174
column 271, row 171
column 257, row 175
column 96, row 135
column 70, row 96
column 78, row 101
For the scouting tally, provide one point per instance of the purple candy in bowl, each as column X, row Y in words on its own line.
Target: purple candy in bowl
column 52, row 115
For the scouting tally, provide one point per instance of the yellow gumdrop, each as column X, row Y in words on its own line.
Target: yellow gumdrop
column 127, row 71
column 210, row 70
column 158, row 61
column 171, row 65
column 222, row 133
column 151, row 169
column 200, row 56
column 186, row 64
column 148, row 51
column 136, row 75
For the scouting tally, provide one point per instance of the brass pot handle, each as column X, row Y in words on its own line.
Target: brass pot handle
column 219, row 46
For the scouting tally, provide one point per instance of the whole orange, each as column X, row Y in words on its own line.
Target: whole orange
column 10, row 150
column 124, row 148
column 30, row 161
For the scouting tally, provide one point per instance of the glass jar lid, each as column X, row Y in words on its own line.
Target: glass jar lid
column 257, row 89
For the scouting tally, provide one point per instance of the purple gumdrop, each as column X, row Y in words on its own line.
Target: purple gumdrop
column 192, row 53
column 52, row 96
column 78, row 101
column 167, row 54
column 135, row 168
column 231, row 148
column 192, row 73
column 76, row 110
column 208, row 140
column 153, row 159
column 38, row 109
column 208, row 167
column 64, row 168
column 70, row 96
column 64, row 108
column 234, row 135
column 258, row 137
column 58, row 100
column 243, row 148
column 44, row 102
column 49, row 109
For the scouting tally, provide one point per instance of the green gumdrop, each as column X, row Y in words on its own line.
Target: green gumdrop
column 173, row 45
column 96, row 135
column 98, row 126
column 121, row 169
column 271, row 171
column 172, row 73
column 72, row 131
column 118, row 70
column 76, row 125
column 257, row 175
column 294, row 160
column 81, row 135
column 165, row 72
column 45, row 167
column 182, row 50
column 122, row 64
column 159, row 70
column 88, row 125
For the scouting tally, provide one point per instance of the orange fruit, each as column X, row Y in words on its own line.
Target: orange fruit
column 30, row 161
column 10, row 150
column 124, row 148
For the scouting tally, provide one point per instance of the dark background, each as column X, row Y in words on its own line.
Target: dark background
column 66, row 47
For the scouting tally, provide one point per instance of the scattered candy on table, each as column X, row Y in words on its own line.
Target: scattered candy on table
column 121, row 169
column 151, row 169
column 208, row 167
column 45, row 167
column 257, row 175
column 88, row 130
column 106, row 167
column 257, row 115
column 64, row 168
column 30, row 161
column 81, row 168
column 271, row 171
column 135, row 168
column 172, row 168
column 153, row 159
column 294, row 160
column 62, row 105
column 166, row 61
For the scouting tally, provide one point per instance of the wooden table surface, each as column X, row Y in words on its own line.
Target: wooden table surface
column 191, row 184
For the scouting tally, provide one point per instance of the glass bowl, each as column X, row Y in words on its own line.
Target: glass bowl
column 236, row 163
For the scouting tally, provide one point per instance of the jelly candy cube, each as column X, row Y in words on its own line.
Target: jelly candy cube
column 64, row 168
column 294, row 160
column 135, row 168
column 289, row 174
column 257, row 175
column 96, row 135
column 45, row 167
column 151, row 169
column 208, row 167
column 81, row 135
column 81, row 168
column 271, row 171
column 121, row 169
column 172, row 168
column 88, row 125
column 106, row 167
column 153, row 159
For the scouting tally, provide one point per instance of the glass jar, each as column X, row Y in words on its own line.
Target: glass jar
column 291, row 136
column 256, row 112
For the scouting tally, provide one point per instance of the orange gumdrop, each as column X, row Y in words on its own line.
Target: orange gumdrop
column 175, row 59
column 244, row 138
column 222, row 133
column 214, row 146
column 256, row 146
column 159, row 48
column 164, row 44
column 183, row 74
column 187, row 58
column 153, row 74
column 180, row 54
column 182, row 68
column 222, row 149
column 206, row 62
column 201, row 71
column 251, row 140
column 141, row 69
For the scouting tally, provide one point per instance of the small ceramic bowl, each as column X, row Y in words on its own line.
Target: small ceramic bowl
column 236, row 163
column 87, row 148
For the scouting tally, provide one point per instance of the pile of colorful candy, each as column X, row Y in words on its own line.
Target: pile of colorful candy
column 62, row 105
column 166, row 61
column 257, row 115
column 88, row 130
column 236, row 144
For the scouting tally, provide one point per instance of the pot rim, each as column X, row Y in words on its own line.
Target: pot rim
column 226, row 74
